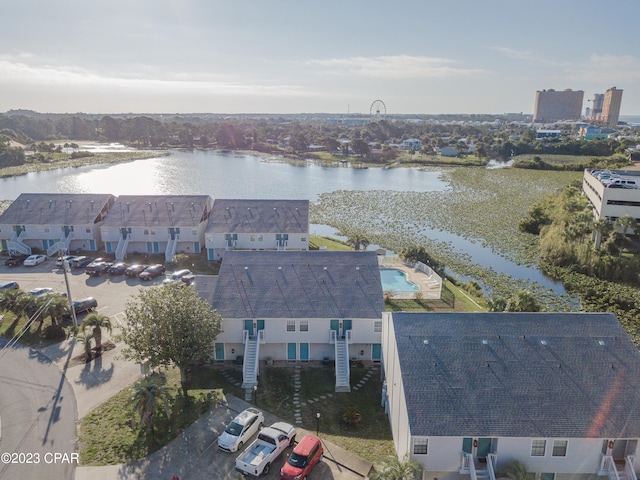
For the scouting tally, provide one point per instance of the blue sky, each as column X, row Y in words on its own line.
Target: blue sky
column 295, row 56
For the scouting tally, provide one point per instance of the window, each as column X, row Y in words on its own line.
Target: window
column 304, row 325
column 46, row 229
column 146, row 231
column 252, row 238
column 87, row 229
column 377, row 326
column 420, row 445
column 291, row 325
column 538, row 447
column 547, row 476
column 260, row 238
column 153, row 232
column 194, row 233
column 559, row 448
column 303, row 239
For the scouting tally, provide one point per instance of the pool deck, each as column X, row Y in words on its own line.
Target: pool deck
column 428, row 285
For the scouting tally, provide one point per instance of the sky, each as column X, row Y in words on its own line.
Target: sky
column 297, row 56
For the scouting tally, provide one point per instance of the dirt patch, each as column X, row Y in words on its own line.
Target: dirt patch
column 95, row 353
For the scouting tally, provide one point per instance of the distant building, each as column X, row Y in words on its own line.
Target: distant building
column 552, row 105
column 596, row 109
column 411, row 143
column 448, row 152
column 611, row 106
column 542, row 133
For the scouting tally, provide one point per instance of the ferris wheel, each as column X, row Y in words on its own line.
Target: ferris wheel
column 378, row 109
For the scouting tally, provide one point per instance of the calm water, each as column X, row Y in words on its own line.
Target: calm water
column 243, row 176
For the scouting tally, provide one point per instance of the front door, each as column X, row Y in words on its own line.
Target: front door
column 304, row 351
column 376, row 352
column 335, row 326
column 248, row 325
column 260, row 325
column 219, row 351
column 291, row 351
column 622, row 448
column 486, row 446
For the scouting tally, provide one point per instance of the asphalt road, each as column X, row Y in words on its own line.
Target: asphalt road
column 38, row 415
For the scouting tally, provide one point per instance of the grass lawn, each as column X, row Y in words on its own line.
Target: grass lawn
column 315, row 242
column 111, row 434
column 369, row 439
column 11, row 327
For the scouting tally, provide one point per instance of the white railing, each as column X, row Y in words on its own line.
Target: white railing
column 349, row 337
column 230, row 244
column 250, row 363
column 121, row 248
column 261, row 336
column 15, row 244
column 245, row 336
column 492, row 460
column 464, row 464
column 472, row 469
column 608, row 468
column 61, row 245
column 281, row 245
column 170, row 251
column 332, row 336
column 629, row 462
column 343, row 371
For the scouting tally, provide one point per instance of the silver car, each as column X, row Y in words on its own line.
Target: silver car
column 241, row 429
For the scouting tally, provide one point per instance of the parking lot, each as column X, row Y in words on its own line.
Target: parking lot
column 194, row 454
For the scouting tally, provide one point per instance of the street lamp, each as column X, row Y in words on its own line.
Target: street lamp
column 317, row 423
column 255, row 395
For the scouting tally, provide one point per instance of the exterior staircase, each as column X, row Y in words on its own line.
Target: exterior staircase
column 342, row 365
column 479, row 471
column 61, row 245
column 170, row 251
column 250, row 359
column 15, row 244
column 609, row 468
column 121, row 249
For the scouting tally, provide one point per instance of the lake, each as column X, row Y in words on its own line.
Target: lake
column 229, row 175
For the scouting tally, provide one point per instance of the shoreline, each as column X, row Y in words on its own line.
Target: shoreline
column 95, row 159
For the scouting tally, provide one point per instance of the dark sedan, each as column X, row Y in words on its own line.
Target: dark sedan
column 117, row 268
column 15, row 260
column 152, row 272
column 134, row 270
column 81, row 262
column 95, row 269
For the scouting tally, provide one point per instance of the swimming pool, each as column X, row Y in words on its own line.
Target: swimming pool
column 396, row 280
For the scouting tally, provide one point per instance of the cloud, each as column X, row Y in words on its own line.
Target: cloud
column 529, row 57
column 396, row 66
column 15, row 71
column 608, row 69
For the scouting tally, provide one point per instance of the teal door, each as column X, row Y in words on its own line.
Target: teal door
column 376, row 352
column 335, row 326
column 248, row 325
column 291, row 351
column 219, row 351
column 4, row 245
column 484, row 447
column 92, row 245
column 260, row 324
column 304, row 351
column 156, row 247
column 149, row 247
column 467, row 445
column 346, row 325
column 196, row 247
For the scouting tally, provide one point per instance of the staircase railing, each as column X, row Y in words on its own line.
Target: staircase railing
column 170, row 251
column 629, row 462
column 492, row 460
column 121, row 249
column 472, row 469
column 464, row 464
column 15, row 244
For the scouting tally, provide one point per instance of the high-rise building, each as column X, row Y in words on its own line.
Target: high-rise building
column 611, row 106
column 552, row 105
column 596, row 109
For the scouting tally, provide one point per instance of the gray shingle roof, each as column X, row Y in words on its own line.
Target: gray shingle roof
column 56, row 209
column 584, row 382
column 259, row 216
column 157, row 211
column 316, row 284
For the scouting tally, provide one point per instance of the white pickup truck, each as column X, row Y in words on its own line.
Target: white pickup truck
column 261, row 453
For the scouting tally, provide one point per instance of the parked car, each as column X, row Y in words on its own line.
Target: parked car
column 84, row 304
column 65, row 258
column 96, row 269
column 40, row 291
column 258, row 457
column 135, row 270
column 242, row 428
column 16, row 260
column 188, row 279
column 9, row 286
column 152, row 272
column 34, row 260
column 100, row 260
column 176, row 276
column 81, row 261
column 305, row 455
column 117, row 268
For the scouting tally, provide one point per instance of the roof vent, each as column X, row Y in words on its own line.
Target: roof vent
column 485, row 342
column 425, row 341
column 543, row 342
column 357, row 267
column 325, row 268
column 246, row 268
column 279, row 268
column 601, row 342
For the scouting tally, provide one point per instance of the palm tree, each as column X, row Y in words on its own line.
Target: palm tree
column 602, row 228
column 14, row 301
column 54, row 306
column 97, row 322
column 396, row 469
column 357, row 241
column 518, row 471
column 86, row 341
column 147, row 393
column 626, row 223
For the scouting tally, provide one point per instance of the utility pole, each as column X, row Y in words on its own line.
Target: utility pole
column 65, row 267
